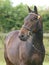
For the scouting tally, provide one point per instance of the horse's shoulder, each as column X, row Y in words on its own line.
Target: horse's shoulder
column 11, row 35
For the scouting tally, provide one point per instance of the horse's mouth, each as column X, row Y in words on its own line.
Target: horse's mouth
column 23, row 39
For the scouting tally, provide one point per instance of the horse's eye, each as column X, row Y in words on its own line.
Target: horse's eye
column 33, row 19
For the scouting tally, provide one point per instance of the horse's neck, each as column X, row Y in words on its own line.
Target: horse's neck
column 38, row 38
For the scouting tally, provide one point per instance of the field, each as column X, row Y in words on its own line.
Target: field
column 46, row 43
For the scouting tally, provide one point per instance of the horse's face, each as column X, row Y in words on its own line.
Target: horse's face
column 31, row 25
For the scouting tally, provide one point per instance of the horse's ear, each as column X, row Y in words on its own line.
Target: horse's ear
column 29, row 9
column 35, row 10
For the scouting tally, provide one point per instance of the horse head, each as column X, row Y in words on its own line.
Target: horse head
column 32, row 24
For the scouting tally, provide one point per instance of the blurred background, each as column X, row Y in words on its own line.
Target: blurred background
column 12, row 14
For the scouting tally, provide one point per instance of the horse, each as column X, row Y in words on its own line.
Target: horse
column 25, row 46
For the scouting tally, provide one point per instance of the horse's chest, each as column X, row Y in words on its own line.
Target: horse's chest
column 18, row 52
column 12, row 52
column 25, row 52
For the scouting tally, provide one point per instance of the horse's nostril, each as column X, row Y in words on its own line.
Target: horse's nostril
column 22, row 35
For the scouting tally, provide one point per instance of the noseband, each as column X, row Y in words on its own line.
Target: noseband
column 27, row 28
column 30, row 30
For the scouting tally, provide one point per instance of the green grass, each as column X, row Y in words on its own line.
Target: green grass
column 46, row 44
column 46, row 26
column 46, row 61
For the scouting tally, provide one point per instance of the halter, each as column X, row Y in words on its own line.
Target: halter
column 31, row 34
column 37, row 21
column 30, row 28
column 27, row 28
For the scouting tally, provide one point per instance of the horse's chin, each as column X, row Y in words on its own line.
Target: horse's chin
column 23, row 39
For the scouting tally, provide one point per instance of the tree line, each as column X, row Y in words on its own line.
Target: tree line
column 11, row 18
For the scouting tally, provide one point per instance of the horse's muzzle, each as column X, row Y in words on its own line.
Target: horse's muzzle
column 23, row 37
